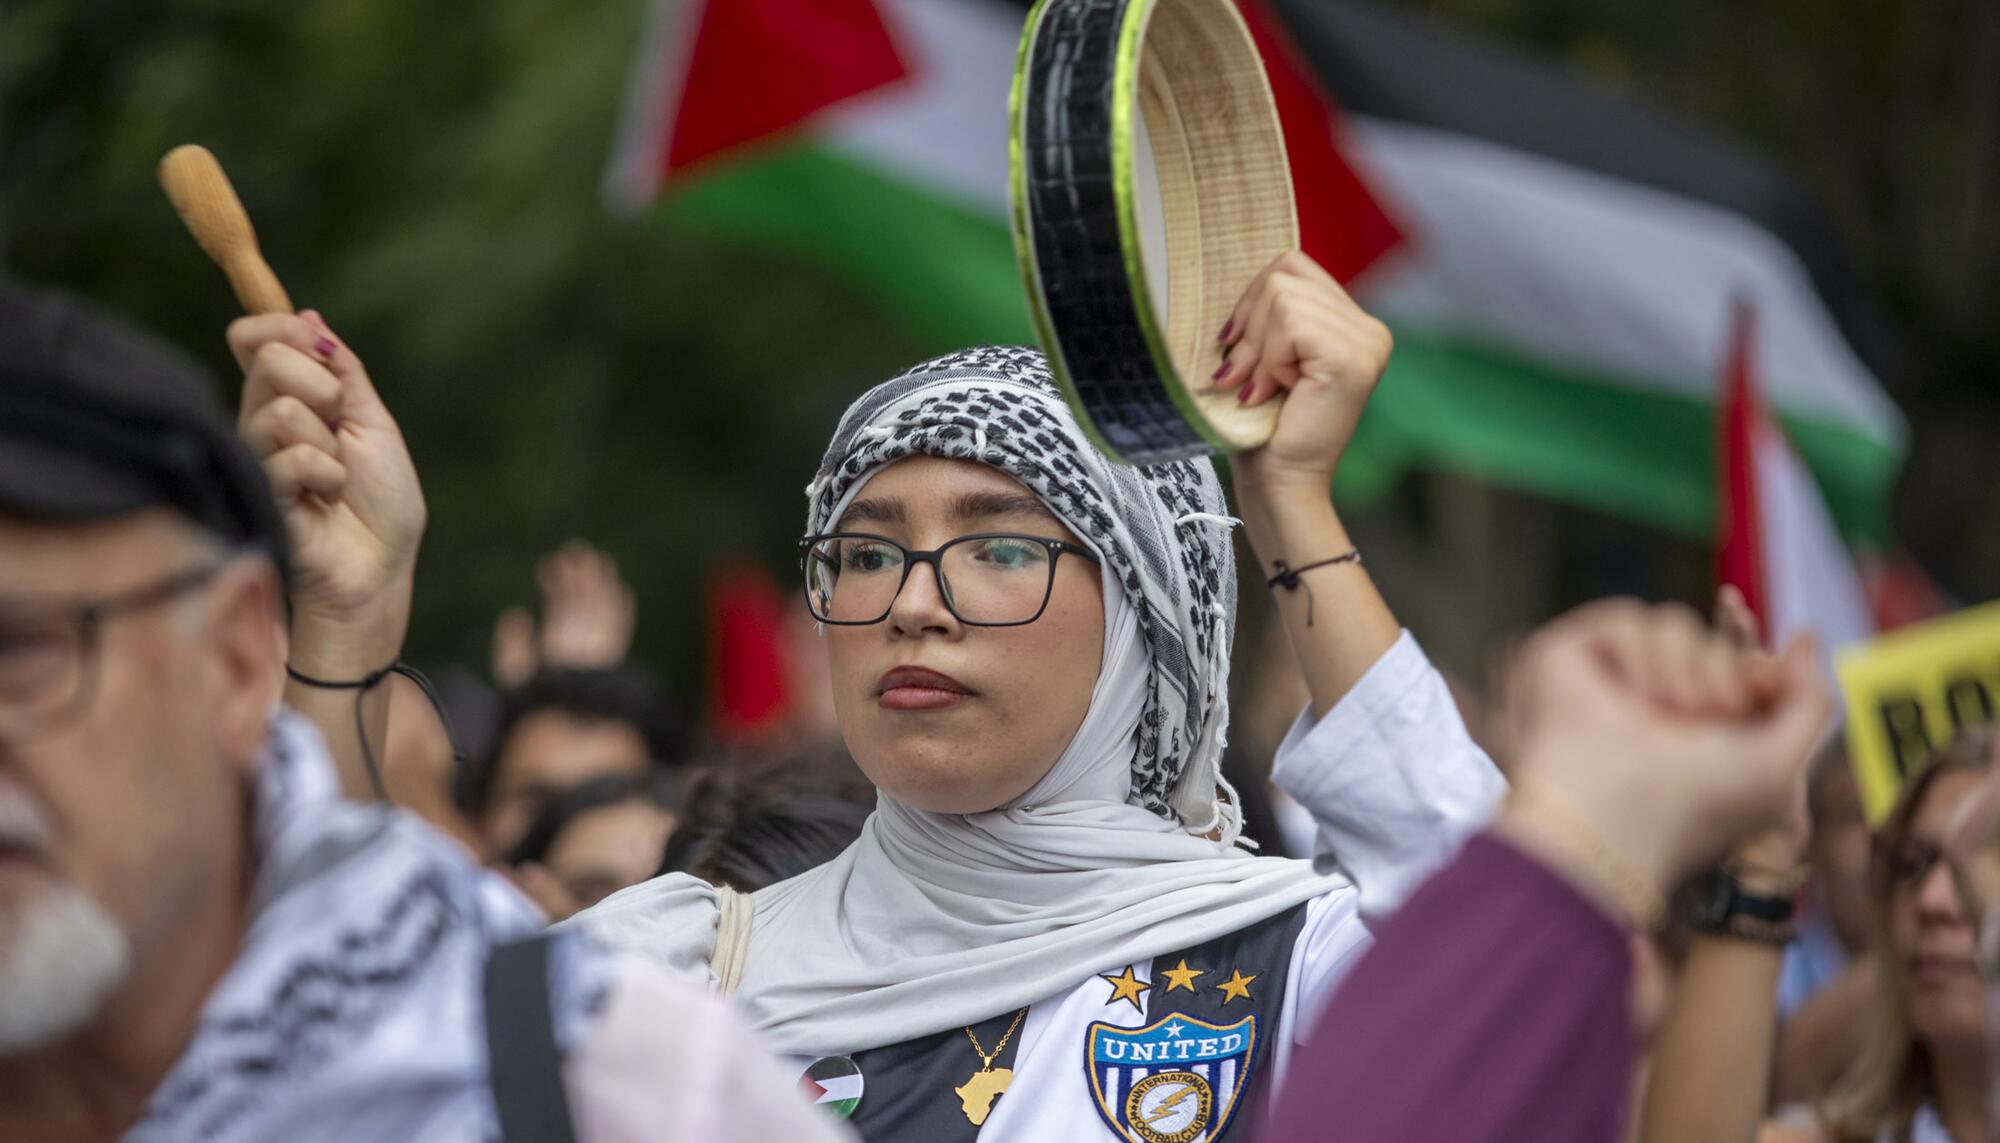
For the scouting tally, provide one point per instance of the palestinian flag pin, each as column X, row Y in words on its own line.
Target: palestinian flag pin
column 833, row 1082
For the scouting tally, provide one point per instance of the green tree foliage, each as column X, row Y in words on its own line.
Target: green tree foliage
column 427, row 175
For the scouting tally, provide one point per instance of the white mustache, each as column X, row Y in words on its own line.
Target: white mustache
column 23, row 824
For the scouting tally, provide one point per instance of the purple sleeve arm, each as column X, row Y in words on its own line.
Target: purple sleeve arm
column 1493, row 1007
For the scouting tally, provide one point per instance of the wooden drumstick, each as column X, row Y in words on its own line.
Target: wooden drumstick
column 195, row 184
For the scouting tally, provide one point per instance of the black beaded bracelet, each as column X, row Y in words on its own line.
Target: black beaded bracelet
column 369, row 682
column 1288, row 576
column 1777, row 934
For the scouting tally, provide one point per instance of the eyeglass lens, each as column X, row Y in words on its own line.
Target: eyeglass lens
column 41, row 663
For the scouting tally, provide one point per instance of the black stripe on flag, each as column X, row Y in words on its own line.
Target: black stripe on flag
column 1386, row 66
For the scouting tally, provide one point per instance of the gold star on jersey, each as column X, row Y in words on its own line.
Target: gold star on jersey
column 1127, row 986
column 1181, row 976
column 1237, row 987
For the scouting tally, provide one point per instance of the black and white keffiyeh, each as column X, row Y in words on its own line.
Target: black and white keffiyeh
column 1122, row 851
column 353, row 1009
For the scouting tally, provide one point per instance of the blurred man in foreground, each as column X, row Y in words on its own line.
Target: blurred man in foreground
column 199, row 939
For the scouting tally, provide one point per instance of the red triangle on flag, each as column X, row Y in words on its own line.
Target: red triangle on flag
column 1342, row 224
column 758, row 68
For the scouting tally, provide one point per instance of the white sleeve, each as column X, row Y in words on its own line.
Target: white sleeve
column 667, row 1059
column 1390, row 776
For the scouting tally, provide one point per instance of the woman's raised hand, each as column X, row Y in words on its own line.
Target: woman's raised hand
column 342, row 475
column 1298, row 335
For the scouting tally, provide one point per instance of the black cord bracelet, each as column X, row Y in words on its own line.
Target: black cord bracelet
column 1288, row 576
column 368, row 683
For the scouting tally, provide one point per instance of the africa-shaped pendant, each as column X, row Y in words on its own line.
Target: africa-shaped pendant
column 977, row 1094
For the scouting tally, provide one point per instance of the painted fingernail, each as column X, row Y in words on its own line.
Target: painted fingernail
column 324, row 346
column 317, row 320
column 1221, row 371
column 1228, row 328
column 1243, row 394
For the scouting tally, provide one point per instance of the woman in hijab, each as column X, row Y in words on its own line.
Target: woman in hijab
column 1029, row 647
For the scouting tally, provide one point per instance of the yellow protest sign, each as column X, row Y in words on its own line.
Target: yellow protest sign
column 1908, row 691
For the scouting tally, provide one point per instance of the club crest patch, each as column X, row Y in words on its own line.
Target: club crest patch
column 1174, row 1081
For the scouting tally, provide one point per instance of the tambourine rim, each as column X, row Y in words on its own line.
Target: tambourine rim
column 1124, row 94
column 1135, row 21
column 1024, row 241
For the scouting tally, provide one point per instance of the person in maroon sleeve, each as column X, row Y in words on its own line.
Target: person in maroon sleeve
column 1494, row 1004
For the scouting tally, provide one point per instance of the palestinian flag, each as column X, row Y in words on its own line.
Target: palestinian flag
column 1778, row 543
column 834, row 1083
column 1558, row 264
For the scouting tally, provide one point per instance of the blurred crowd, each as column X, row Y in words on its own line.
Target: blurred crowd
column 579, row 772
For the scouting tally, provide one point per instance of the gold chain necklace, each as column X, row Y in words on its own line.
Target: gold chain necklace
column 977, row 1094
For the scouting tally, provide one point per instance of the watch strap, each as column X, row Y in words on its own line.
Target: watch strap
column 1723, row 899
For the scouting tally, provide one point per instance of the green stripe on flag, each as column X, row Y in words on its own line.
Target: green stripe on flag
column 947, row 270
column 1643, row 454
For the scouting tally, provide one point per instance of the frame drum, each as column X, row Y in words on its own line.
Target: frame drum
column 1149, row 187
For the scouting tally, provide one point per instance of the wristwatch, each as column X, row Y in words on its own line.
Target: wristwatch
column 1722, row 906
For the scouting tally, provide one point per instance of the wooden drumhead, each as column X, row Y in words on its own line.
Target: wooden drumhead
column 1099, row 83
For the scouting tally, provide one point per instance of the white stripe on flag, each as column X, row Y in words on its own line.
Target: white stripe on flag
column 839, row 1088
column 1809, row 579
column 945, row 128
column 1617, row 279
column 652, row 99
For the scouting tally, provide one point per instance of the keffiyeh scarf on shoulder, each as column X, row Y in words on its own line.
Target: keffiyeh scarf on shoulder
column 1122, row 851
column 353, row 1009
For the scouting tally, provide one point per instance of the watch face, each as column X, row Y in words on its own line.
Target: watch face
column 1712, row 900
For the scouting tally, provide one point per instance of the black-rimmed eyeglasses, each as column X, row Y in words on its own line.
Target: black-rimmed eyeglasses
column 49, row 649
column 1910, row 863
column 990, row 579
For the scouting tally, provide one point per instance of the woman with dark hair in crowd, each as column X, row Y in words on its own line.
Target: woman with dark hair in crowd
column 593, row 840
column 563, row 727
column 774, row 838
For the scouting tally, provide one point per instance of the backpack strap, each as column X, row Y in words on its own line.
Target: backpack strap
column 732, row 937
column 525, row 1067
